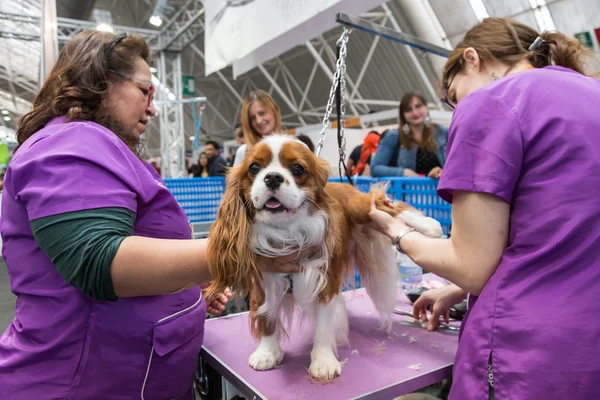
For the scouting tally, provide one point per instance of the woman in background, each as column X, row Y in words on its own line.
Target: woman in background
column 417, row 148
column 367, row 151
column 260, row 117
column 202, row 168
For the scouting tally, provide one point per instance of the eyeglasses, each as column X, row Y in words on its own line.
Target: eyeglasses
column 145, row 83
column 446, row 99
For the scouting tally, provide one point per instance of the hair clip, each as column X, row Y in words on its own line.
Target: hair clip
column 538, row 42
column 118, row 40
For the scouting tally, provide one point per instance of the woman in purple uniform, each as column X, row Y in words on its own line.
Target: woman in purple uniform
column 97, row 249
column 523, row 175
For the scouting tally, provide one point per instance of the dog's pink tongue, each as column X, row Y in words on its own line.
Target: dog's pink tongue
column 272, row 203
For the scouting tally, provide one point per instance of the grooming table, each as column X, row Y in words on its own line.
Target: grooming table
column 378, row 366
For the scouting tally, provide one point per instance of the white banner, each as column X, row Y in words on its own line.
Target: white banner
column 247, row 33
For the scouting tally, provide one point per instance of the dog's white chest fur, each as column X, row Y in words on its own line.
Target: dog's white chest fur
column 271, row 240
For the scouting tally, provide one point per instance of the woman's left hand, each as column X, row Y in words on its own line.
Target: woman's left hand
column 435, row 173
column 215, row 305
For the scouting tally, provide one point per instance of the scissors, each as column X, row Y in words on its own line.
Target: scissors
column 418, row 323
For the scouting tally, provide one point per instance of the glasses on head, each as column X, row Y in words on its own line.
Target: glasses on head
column 149, row 85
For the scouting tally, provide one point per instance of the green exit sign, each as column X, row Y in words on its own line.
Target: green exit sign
column 585, row 38
column 189, row 85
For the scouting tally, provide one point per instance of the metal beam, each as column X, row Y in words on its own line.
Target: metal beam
column 219, row 73
column 366, row 63
column 415, row 61
column 49, row 37
column 185, row 24
column 278, row 88
column 308, row 85
column 391, row 34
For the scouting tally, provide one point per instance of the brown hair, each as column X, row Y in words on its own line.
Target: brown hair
column 407, row 140
column 252, row 137
column 80, row 80
column 508, row 41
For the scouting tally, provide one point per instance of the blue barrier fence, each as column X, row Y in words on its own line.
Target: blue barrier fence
column 200, row 197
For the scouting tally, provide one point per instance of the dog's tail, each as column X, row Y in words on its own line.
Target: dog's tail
column 376, row 261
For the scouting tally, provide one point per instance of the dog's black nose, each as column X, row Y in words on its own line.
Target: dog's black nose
column 273, row 180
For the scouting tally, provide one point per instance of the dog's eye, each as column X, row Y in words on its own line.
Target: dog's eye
column 254, row 169
column 297, row 170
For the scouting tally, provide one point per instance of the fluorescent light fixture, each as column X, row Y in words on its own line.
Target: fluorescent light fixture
column 479, row 9
column 156, row 20
column 153, row 70
column 6, row 118
column 5, row 112
column 192, row 138
column 104, row 27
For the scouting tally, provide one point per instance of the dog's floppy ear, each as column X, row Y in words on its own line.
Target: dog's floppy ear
column 230, row 258
column 322, row 171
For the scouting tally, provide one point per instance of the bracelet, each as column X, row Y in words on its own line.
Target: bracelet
column 400, row 236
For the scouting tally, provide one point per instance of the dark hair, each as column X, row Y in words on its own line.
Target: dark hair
column 508, row 41
column 306, row 140
column 80, row 81
column 213, row 143
column 428, row 142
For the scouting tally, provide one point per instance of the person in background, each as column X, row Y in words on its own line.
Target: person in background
column 216, row 164
column 155, row 166
column 201, row 170
column 306, row 140
column 523, row 177
column 353, row 158
column 239, row 134
column 417, row 148
column 260, row 117
column 368, row 149
column 239, row 140
column 97, row 249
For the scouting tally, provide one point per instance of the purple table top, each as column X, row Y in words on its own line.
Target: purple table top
column 378, row 366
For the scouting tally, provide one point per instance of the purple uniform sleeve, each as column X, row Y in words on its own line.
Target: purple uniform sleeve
column 485, row 148
column 81, row 166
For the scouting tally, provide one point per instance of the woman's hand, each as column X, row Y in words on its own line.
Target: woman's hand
column 435, row 173
column 440, row 301
column 384, row 222
column 409, row 172
column 215, row 305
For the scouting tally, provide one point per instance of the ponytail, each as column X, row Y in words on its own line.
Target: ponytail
column 562, row 50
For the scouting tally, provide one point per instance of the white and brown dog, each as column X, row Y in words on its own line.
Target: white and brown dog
column 278, row 202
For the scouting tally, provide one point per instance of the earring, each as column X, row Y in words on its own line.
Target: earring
column 406, row 129
column 427, row 121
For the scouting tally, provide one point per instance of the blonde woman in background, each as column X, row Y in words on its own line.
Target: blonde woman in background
column 260, row 117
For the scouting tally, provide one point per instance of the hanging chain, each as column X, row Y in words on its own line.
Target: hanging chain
column 340, row 71
column 342, row 144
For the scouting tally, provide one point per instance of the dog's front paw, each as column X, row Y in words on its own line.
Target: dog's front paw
column 324, row 365
column 265, row 358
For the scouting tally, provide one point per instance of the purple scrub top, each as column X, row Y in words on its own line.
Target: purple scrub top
column 63, row 344
column 533, row 139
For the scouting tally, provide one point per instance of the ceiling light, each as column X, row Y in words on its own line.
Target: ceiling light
column 153, row 70
column 105, row 27
column 6, row 118
column 156, row 20
column 5, row 112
